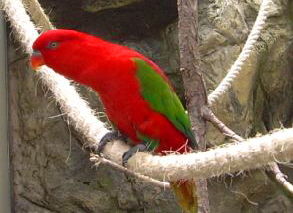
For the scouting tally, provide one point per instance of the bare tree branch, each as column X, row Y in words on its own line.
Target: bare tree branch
column 276, row 175
column 196, row 96
column 211, row 117
column 101, row 160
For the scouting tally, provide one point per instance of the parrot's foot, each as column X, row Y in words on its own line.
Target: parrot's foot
column 110, row 136
column 137, row 148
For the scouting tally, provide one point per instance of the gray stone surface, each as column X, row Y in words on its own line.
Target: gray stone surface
column 99, row 5
column 52, row 173
column 261, row 99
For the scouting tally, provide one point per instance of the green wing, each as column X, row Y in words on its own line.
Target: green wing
column 157, row 91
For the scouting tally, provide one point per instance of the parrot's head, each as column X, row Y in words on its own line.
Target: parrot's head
column 49, row 46
column 62, row 50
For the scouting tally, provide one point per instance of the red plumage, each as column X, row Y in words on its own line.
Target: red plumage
column 107, row 68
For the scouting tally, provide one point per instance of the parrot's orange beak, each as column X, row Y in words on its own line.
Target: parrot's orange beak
column 37, row 59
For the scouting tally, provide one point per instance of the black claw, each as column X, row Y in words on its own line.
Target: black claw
column 138, row 148
column 121, row 137
column 110, row 136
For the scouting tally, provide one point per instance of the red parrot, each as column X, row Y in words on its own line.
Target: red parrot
column 138, row 98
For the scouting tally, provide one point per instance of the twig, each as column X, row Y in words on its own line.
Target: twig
column 275, row 174
column 211, row 117
column 98, row 160
column 246, row 197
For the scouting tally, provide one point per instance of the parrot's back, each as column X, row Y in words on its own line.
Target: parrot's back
column 121, row 86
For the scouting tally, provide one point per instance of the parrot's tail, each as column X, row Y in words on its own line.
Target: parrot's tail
column 185, row 192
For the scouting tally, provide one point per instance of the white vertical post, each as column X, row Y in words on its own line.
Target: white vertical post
column 5, row 196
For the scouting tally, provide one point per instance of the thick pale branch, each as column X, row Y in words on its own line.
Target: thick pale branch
column 82, row 117
column 38, row 14
column 250, row 154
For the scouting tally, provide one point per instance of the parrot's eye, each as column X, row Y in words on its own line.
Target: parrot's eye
column 53, row 45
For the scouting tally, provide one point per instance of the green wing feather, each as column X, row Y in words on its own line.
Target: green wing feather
column 162, row 98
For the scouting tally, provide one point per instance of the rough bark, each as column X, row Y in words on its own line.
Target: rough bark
column 194, row 86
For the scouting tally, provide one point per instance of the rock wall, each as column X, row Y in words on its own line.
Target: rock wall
column 52, row 173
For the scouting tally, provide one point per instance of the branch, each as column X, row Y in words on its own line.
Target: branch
column 38, row 16
column 100, row 160
column 210, row 116
column 277, row 176
column 250, row 154
column 195, row 91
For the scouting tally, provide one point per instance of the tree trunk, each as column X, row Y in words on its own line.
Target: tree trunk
column 196, row 96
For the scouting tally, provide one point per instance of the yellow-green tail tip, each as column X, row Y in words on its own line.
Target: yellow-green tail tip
column 185, row 192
